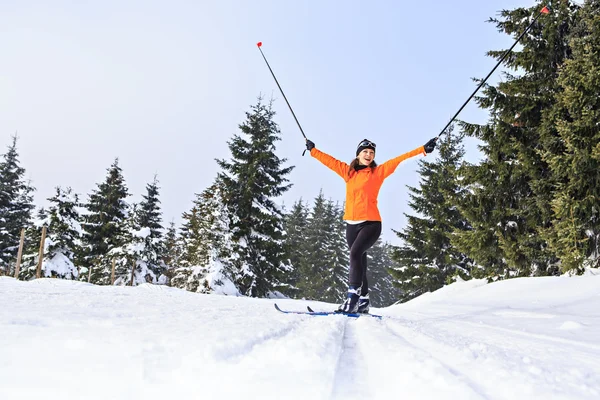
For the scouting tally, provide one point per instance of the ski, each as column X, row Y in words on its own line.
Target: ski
column 324, row 313
column 350, row 314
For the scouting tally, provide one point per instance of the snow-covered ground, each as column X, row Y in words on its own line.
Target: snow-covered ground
column 532, row 338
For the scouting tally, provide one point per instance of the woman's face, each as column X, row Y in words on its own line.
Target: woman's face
column 366, row 157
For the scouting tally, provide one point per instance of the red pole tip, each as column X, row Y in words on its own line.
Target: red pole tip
column 545, row 10
column 259, row 44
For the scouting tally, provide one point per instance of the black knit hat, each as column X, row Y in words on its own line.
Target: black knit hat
column 365, row 144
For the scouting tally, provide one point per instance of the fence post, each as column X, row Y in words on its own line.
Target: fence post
column 90, row 272
column 38, row 272
column 132, row 271
column 20, row 254
column 112, row 274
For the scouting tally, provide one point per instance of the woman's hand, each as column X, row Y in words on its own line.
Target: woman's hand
column 309, row 145
column 430, row 146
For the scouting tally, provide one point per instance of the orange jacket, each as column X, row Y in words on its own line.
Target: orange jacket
column 362, row 187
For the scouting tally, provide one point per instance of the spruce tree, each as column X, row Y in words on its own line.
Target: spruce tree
column 509, row 190
column 172, row 252
column 324, row 264
column 253, row 179
column 337, row 259
column 428, row 259
column 573, row 154
column 312, row 280
column 205, row 244
column 295, row 224
column 130, row 268
column 63, row 236
column 105, row 227
column 382, row 291
column 146, row 244
column 195, row 246
column 16, row 204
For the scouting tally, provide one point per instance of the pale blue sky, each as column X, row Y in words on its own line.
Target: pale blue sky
column 164, row 84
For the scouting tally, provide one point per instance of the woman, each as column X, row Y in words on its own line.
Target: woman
column 363, row 223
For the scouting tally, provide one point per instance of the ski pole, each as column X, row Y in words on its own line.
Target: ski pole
column 259, row 45
column 544, row 10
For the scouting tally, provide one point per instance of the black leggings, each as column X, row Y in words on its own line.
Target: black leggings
column 360, row 238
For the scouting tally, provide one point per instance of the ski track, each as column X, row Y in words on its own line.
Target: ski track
column 459, row 372
column 299, row 356
column 519, row 359
column 235, row 350
column 399, row 366
column 351, row 373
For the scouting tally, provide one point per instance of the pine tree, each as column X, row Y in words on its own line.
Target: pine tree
column 382, row 291
column 324, row 268
column 63, row 240
column 509, row 191
column 130, row 267
column 16, row 204
column 205, row 245
column 295, row 224
column 195, row 246
column 172, row 252
column 105, row 228
column 312, row 279
column 145, row 245
column 573, row 154
column 337, row 260
column 428, row 259
column 253, row 178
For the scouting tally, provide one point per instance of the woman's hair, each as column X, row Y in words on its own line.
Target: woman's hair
column 355, row 163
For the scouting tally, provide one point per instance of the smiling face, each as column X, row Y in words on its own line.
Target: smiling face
column 366, row 157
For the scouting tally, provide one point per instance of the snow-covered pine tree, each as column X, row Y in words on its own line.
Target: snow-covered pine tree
column 253, row 179
column 382, row 291
column 105, row 227
column 205, row 245
column 16, row 205
column 172, row 252
column 295, row 223
column 63, row 240
column 427, row 260
column 511, row 188
column 335, row 270
column 574, row 152
column 145, row 245
column 129, row 267
column 194, row 246
column 324, row 264
column 312, row 279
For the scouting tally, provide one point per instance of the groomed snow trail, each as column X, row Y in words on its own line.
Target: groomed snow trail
column 515, row 340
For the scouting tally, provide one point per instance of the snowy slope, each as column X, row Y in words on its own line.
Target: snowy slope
column 533, row 338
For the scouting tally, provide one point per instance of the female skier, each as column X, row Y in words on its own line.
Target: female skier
column 363, row 179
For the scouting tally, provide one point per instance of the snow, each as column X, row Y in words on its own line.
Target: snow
column 142, row 233
column 525, row 338
column 60, row 265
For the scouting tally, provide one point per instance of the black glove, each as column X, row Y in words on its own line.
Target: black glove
column 309, row 145
column 429, row 146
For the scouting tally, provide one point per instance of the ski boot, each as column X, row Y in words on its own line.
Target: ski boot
column 350, row 306
column 363, row 304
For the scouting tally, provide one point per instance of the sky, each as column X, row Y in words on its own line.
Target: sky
column 513, row 339
column 164, row 85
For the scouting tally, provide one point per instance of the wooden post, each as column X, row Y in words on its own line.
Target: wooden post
column 20, row 254
column 90, row 273
column 38, row 273
column 132, row 271
column 112, row 274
